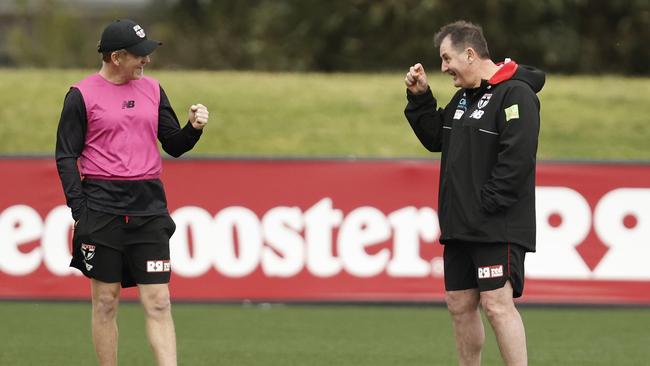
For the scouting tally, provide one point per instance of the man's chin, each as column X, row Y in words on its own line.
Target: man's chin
column 461, row 84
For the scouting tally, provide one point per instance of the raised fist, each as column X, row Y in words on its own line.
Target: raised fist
column 416, row 79
column 198, row 116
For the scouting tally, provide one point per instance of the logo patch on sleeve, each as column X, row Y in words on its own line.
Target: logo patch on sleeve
column 490, row 271
column 512, row 112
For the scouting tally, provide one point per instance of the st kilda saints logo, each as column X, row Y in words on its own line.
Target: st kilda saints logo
column 485, row 99
column 139, row 31
column 88, row 251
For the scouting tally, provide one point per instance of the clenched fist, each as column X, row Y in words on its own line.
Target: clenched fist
column 416, row 79
column 198, row 116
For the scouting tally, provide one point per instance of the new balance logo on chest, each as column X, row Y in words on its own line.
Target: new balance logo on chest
column 477, row 114
column 128, row 104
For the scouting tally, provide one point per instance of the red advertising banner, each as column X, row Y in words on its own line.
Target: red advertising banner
column 336, row 230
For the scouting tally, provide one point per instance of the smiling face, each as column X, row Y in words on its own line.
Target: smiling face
column 457, row 63
column 131, row 67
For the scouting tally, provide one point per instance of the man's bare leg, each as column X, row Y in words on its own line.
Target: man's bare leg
column 105, row 301
column 159, row 322
column 507, row 325
column 463, row 306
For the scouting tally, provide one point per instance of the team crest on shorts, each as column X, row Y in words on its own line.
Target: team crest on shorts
column 88, row 251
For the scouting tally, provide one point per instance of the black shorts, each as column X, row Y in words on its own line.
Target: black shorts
column 127, row 249
column 486, row 266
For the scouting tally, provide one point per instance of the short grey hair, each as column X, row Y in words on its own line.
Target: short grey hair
column 464, row 34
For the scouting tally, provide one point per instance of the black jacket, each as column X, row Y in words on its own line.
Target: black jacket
column 488, row 139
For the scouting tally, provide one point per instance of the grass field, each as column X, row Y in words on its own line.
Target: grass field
column 360, row 115
column 59, row 334
column 344, row 115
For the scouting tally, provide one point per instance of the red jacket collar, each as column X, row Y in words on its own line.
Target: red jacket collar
column 507, row 69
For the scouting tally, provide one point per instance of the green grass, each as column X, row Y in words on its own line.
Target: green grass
column 35, row 333
column 265, row 114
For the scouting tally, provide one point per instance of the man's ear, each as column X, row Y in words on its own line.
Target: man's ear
column 115, row 58
column 471, row 55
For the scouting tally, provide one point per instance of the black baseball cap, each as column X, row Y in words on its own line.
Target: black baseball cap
column 126, row 34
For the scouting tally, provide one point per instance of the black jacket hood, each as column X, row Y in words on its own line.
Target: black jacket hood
column 510, row 70
column 531, row 76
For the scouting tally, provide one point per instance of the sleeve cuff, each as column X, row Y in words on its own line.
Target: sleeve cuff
column 191, row 131
column 424, row 98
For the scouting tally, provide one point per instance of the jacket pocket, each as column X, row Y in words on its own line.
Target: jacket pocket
column 484, row 124
column 480, row 128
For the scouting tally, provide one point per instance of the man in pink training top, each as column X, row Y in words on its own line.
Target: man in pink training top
column 109, row 164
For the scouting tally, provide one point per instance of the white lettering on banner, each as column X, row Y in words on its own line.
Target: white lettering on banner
column 55, row 242
column 409, row 226
column 19, row 225
column 323, row 242
column 320, row 221
column 237, row 229
column 285, row 254
column 556, row 255
column 362, row 228
column 198, row 261
column 628, row 246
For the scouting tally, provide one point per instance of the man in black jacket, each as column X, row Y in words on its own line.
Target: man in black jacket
column 488, row 138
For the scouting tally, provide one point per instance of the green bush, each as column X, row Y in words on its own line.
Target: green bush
column 565, row 36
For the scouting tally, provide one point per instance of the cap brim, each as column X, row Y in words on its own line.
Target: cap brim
column 144, row 48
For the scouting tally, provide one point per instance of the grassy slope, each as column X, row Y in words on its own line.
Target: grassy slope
column 58, row 334
column 360, row 115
